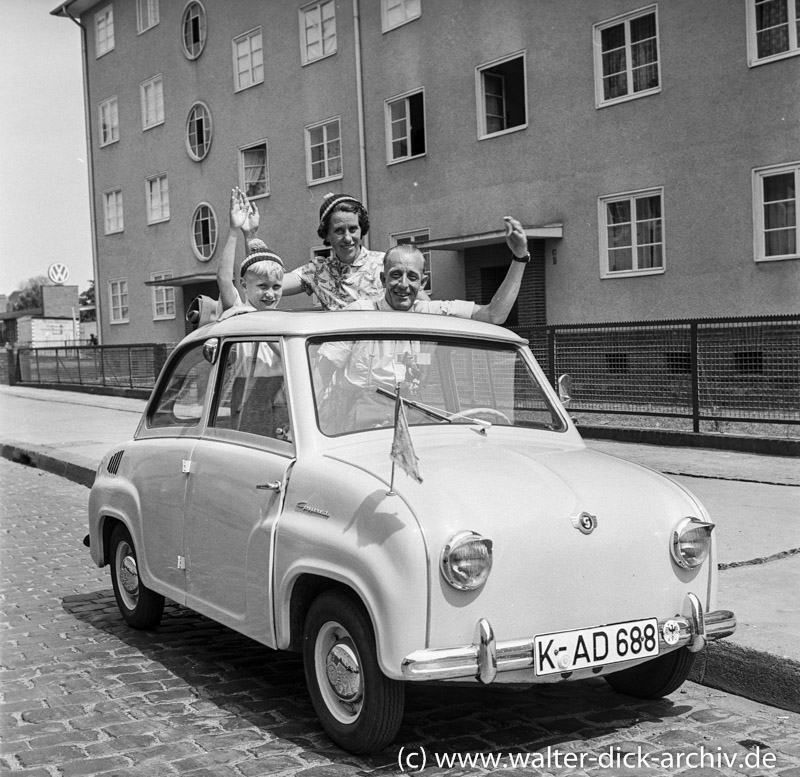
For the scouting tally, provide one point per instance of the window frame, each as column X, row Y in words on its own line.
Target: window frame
column 153, row 18
column 396, row 237
column 388, row 122
column 793, row 25
column 597, row 30
column 106, row 12
column 119, row 216
column 759, row 229
column 192, row 232
column 248, row 36
column 157, row 79
column 480, row 95
column 310, row 163
column 630, row 197
column 148, row 195
column 113, row 124
column 168, row 293
column 243, row 168
column 202, row 29
column 385, row 24
column 303, row 11
column 124, row 309
column 208, row 131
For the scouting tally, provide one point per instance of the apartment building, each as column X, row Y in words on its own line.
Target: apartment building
column 652, row 150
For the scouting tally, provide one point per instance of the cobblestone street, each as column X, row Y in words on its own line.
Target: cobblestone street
column 83, row 694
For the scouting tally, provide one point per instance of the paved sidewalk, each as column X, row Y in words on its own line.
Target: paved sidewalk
column 753, row 499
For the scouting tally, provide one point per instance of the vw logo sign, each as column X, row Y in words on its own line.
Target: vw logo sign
column 58, row 272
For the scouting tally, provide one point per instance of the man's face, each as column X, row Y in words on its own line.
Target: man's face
column 263, row 291
column 403, row 276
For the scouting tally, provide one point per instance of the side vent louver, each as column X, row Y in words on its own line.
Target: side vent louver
column 113, row 462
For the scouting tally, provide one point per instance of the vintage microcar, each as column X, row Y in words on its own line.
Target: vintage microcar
column 260, row 490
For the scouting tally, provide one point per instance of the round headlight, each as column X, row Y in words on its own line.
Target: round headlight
column 691, row 542
column 466, row 561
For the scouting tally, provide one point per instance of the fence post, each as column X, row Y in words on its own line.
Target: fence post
column 78, row 352
column 58, row 373
column 130, row 367
column 695, row 377
column 551, row 355
column 159, row 357
column 12, row 355
column 102, row 353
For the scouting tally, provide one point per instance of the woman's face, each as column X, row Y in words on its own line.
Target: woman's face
column 344, row 235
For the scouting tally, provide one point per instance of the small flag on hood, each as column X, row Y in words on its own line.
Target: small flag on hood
column 402, row 450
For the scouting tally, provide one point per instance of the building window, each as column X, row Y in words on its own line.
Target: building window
column 502, row 102
column 776, row 202
column 198, row 131
column 254, row 170
column 157, row 192
column 317, row 31
column 397, row 12
column 118, row 297
column 405, row 126
column 248, row 59
column 632, row 233
column 323, row 151
column 417, row 236
column 152, row 96
column 626, row 57
column 109, row 121
column 163, row 297
column 773, row 30
column 193, row 30
column 112, row 205
column 204, row 232
column 104, row 31
column 146, row 14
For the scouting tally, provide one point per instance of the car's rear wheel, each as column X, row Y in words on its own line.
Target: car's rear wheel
column 359, row 707
column 141, row 607
column 654, row 679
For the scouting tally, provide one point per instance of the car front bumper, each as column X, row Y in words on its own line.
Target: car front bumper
column 484, row 659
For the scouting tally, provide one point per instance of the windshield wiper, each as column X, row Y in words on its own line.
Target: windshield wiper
column 433, row 412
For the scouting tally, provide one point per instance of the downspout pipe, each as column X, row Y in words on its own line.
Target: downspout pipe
column 362, row 133
column 98, row 295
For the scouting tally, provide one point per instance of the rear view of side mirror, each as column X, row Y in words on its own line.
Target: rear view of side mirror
column 565, row 389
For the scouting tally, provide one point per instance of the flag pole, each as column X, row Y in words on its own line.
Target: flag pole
column 391, row 491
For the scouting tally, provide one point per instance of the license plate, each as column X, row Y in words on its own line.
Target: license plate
column 566, row 651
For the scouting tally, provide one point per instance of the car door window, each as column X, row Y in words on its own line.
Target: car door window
column 251, row 396
column 182, row 398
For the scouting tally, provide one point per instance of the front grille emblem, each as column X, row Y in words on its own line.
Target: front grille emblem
column 585, row 523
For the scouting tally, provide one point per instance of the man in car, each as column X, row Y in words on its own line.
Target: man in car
column 361, row 366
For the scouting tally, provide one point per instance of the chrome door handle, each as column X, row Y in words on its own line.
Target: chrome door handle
column 276, row 486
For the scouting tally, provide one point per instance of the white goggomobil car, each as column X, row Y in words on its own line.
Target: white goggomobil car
column 260, row 492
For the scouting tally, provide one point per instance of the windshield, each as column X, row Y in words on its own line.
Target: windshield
column 443, row 382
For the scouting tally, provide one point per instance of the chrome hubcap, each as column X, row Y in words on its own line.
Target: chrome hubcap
column 129, row 575
column 344, row 675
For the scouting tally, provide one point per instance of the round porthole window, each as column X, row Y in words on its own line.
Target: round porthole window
column 198, row 131
column 193, row 30
column 204, row 232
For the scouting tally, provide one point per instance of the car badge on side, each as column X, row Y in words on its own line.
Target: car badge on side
column 307, row 508
column 585, row 522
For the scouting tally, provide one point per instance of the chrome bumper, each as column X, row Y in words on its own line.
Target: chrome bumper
column 488, row 657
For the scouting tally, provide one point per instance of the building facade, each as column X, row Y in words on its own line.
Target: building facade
column 651, row 150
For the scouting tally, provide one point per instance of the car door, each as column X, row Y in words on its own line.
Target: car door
column 236, row 489
column 164, row 449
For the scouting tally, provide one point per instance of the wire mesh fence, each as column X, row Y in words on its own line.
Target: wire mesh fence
column 700, row 371
column 733, row 370
column 113, row 366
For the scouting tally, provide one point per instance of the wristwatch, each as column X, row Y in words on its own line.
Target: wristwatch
column 525, row 258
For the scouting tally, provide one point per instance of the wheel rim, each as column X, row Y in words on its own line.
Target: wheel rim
column 127, row 575
column 338, row 671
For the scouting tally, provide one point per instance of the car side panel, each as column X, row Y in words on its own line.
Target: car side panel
column 339, row 523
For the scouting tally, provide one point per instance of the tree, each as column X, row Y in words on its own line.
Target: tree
column 85, row 299
column 29, row 295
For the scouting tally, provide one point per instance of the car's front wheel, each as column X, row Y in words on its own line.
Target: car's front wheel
column 359, row 707
column 654, row 679
column 141, row 607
